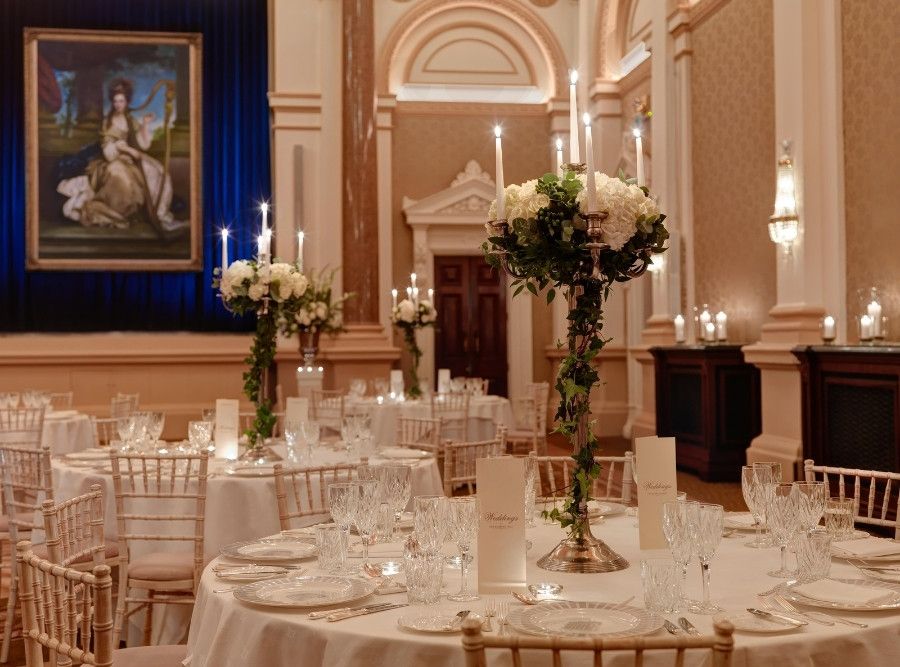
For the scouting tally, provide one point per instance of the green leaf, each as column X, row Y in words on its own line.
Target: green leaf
column 531, row 288
column 551, row 293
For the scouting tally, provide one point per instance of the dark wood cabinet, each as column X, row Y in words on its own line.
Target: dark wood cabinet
column 708, row 398
column 851, row 405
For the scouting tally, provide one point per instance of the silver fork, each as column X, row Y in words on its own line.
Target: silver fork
column 490, row 610
column 502, row 614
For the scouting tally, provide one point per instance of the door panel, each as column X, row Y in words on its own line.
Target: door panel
column 471, row 335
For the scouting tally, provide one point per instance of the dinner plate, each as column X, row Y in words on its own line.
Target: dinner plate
column 248, row 573
column 431, row 623
column 605, row 508
column 744, row 621
column 250, row 471
column 402, row 453
column 300, row 592
column 585, row 619
column 270, row 550
column 837, row 552
column 892, row 576
column 741, row 521
column 891, row 600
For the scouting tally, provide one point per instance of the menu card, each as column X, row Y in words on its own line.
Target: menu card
column 227, row 428
column 397, row 383
column 501, row 524
column 443, row 380
column 656, row 484
column 296, row 409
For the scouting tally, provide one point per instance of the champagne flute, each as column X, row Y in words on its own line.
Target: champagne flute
column 679, row 520
column 752, row 479
column 706, row 534
column 396, row 480
column 463, row 520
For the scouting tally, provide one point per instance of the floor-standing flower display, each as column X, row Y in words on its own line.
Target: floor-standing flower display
column 318, row 312
column 410, row 315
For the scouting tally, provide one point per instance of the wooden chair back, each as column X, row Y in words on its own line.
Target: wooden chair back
column 105, row 430
column 452, row 409
column 27, row 483
column 122, row 405
column 173, row 481
column 459, row 460
column 615, row 482
column 74, row 529
column 326, row 407
column 420, row 434
column 22, row 426
column 720, row 646
column 876, row 494
column 303, row 492
column 65, row 611
column 61, row 400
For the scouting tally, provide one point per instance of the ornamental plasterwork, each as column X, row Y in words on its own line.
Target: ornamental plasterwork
column 472, row 171
column 473, row 204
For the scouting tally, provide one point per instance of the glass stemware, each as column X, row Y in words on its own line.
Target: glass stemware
column 430, row 522
column 292, row 431
column 753, row 479
column 463, row 523
column 782, row 516
column 396, row 482
column 366, row 513
column 811, row 498
column 707, row 534
column 679, row 520
column 199, row 435
column 125, row 429
column 312, row 431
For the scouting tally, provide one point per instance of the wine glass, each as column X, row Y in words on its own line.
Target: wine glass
column 706, row 535
column 396, row 481
column 463, row 523
column 782, row 517
column 312, row 431
column 775, row 469
column 366, row 515
column 811, row 499
column 430, row 522
column 753, row 478
column 199, row 435
column 367, row 473
column 292, row 431
column 679, row 519
column 342, row 499
column 155, row 424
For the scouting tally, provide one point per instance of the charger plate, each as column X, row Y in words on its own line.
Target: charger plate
column 270, row 550
column 300, row 592
column 585, row 619
column 891, row 600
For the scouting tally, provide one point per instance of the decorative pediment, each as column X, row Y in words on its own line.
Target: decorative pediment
column 467, row 200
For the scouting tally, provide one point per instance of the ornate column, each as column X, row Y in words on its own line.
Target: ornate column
column 808, row 111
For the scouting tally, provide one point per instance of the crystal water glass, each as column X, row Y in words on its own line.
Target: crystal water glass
column 366, row 514
column 839, row 514
column 396, row 481
column 813, row 554
column 811, row 497
column 384, row 525
column 312, row 431
column 679, row 521
column 199, row 435
column 430, row 521
column 424, row 573
column 707, row 533
column 292, row 432
column 342, row 498
column 463, row 524
column 661, row 581
column 125, row 430
column 753, row 482
column 331, row 543
column 782, row 516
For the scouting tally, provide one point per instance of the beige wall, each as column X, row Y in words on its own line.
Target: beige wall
column 871, row 76
column 734, row 163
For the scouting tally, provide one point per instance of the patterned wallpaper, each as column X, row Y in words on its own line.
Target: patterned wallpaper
column 733, row 129
column 871, row 144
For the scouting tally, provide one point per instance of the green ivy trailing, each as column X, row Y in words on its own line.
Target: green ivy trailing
column 549, row 251
column 409, row 337
column 261, row 358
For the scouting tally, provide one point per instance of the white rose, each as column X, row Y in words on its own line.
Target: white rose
column 321, row 310
column 427, row 312
column 622, row 202
column 510, row 198
column 257, row 291
column 302, row 318
column 406, row 311
column 237, row 273
column 300, row 283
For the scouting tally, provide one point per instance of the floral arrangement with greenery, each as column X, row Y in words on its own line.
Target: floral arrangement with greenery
column 551, row 242
column 272, row 291
column 318, row 311
column 408, row 316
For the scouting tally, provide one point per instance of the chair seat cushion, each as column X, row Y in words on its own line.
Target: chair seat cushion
column 150, row 656
column 112, row 551
column 162, row 566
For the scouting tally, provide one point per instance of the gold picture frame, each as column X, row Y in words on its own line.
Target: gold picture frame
column 112, row 157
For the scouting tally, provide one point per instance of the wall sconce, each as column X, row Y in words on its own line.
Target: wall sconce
column 784, row 225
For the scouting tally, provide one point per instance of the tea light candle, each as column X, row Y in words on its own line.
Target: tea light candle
column 873, row 310
column 721, row 326
column 865, row 328
column 829, row 330
column 679, row 328
column 545, row 589
column 390, row 567
column 709, row 332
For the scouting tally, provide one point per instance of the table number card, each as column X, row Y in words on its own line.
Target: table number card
column 397, row 383
column 656, row 484
column 443, row 380
column 227, row 428
column 501, row 525
column 296, row 409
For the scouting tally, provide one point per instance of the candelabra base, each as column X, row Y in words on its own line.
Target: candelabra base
column 582, row 554
column 259, row 456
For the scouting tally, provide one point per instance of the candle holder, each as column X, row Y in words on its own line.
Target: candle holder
column 828, row 327
column 872, row 304
column 577, row 167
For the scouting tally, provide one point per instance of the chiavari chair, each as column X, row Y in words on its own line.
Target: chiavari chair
column 453, row 410
column 327, row 408
column 22, row 426
column 302, row 493
column 61, row 400
column 74, row 532
column 156, row 494
column 105, row 430
column 530, row 414
column 459, row 460
column 613, row 484
column 70, row 613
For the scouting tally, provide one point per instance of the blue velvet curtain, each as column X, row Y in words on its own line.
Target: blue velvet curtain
column 235, row 169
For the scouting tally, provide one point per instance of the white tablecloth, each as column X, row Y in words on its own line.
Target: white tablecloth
column 72, row 433
column 227, row 633
column 485, row 412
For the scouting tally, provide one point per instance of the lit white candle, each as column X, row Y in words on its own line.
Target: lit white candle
column 431, row 295
column 409, row 292
column 224, row 249
column 300, row 237
column 264, row 207
column 260, row 247
column 709, row 332
column 721, row 326
column 394, row 298
column 679, row 328
column 412, row 279
column 501, row 200
column 591, row 181
column 574, row 157
column 415, row 296
column 874, row 311
column 829, row 330
column 705, row 318
column 559, row 157
column 639, row 152
column 865, row 328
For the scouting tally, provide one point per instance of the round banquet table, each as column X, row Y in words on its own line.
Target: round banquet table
column 485, row 412
column 225, row 632
column 67, row 431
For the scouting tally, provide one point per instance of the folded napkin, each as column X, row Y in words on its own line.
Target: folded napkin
column 829, row 590
column 867, row 547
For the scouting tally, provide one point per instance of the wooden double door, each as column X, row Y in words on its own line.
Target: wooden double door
column 471, row 327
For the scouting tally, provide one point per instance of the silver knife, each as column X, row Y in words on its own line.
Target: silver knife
column 340, row 616
column 671, row 627
column 776, row 617
column 315, row 615
column 688, row 626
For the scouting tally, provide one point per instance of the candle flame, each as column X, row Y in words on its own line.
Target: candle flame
column 829, row 320
column 497, row 131
column 636, row 132
column 558, row 144
column 394, row 292
column 224, row 233
column 264, row 207
column 301, row 235
column 573, row 76
column 586, row 118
